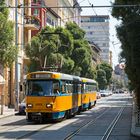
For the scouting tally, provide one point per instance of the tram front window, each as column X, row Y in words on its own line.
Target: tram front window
column 40, row 88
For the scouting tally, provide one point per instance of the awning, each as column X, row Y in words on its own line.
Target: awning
column 2, row 80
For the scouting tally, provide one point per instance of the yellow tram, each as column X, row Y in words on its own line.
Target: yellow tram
column 53, row 95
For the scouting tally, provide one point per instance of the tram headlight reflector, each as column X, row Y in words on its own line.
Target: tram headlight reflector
column 29, row 105
column 49, row 105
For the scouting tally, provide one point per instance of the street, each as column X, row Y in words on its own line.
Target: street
column 110, row 119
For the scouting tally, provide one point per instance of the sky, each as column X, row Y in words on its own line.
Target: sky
column 113, row 22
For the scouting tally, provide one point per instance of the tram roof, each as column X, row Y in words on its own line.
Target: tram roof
column 58, row 75
column 86, row 80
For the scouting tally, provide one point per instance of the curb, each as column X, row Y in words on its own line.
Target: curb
column 135, row 130
column 6, row 116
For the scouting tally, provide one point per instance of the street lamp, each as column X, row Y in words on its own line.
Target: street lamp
column 16, row 62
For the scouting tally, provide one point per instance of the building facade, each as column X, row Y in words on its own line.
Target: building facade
column 66, row 14
column 52, row 18
column 13, row 75
column 24, row 23
column 77, row 13
column 38, row 13
column 97, row 31
column 96, row 57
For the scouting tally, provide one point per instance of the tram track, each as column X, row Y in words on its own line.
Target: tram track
column 67, row 137
column 107, row 132
column 85, row 125
column 112, row 125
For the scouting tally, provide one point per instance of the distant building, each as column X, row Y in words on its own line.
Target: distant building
column 97, row 31
column 110, row 57
column 119, row 69
column 119, row 74
column 96, row 58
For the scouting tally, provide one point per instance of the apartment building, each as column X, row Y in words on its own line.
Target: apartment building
column 24, row 23
column 77, row 13
column 66, row 14
column 38, row 13
column 13, row 75
column 52, row 18
column 96, row 58
column 97, row 31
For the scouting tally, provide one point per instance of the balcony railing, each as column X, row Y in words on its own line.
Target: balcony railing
column 31, row 23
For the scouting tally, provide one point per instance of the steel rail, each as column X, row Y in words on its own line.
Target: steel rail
column 85, row 125
column 112, row 125
column 69, row 136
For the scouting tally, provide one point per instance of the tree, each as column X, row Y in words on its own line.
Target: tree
column 81, row 53
column 129, row 33
column 43, row 50
column 75, row 30
column 117, row 84
column 101, row 79
column 8, row 51
column 108, row 72
column 66, row 45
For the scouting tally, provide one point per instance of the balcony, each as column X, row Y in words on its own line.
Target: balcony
column 31, row 23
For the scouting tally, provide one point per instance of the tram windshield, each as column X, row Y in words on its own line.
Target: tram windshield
column 42, row 88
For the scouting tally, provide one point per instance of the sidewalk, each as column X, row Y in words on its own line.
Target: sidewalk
column 7, row 112
column 135, row 127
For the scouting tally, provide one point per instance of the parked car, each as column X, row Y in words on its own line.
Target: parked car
column 104, row 93
column 22, row 107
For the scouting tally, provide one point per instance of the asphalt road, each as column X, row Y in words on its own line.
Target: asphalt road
column 110, row 119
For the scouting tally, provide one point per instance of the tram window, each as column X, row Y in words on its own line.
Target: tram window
column 90, row 88
column 82, row 88
column 79, row 88
column 86, row 88
column 63, row 87
column 39, row 88
column 56, row 87
column 69, row 88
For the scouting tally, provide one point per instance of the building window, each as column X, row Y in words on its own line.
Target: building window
column 35, row 1
column 36, row 12
column 49, row 19
column 90, row 33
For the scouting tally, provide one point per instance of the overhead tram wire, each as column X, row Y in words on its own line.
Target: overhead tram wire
column 92, row 6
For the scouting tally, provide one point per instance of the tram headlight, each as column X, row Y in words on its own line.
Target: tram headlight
column 29, row 105
column 49, row 105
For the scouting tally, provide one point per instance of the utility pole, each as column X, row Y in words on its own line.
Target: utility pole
column 16, row 62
